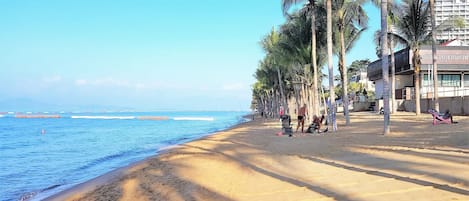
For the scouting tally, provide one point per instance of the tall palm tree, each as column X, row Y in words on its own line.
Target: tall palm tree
column 414, row 28
column 269, row 44
column 384, row 65
column 295, row 45
column 311, row 6
column 391, row 21
column 329, row 61
column 434, row 59
column 351, row 20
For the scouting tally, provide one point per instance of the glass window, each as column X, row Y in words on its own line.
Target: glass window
column 426, row 81
column 448, row 80
column 466, row 80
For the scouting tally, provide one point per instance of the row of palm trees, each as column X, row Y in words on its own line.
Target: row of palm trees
column 302, row 43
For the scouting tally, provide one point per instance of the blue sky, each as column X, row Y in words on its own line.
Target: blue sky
column 143, row 54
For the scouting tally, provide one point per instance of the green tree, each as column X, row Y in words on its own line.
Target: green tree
column 351, row 20
column 358, row 66
column 269, row 44
column 414, row 29
column 311, row 8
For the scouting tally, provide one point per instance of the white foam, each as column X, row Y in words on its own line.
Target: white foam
column 1, row 116
column 102, row 117
column 193, row 118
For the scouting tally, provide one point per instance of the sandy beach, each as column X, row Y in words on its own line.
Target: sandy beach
column 418, row 161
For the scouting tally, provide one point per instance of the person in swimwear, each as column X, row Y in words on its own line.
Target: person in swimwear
column 301, row 117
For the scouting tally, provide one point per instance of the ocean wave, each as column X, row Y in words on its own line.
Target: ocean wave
column 193, row 118
column 33, row 194
column 105, row 159
column 102, row 117
column 2, row 116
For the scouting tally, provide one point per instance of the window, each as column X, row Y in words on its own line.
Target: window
column 466, row 80
column 426, row 81
column 448, row 80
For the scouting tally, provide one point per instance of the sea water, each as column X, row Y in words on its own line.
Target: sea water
column 43, row 156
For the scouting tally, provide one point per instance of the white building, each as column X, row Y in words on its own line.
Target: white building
column 453, row 73
column 362, row 78
column 445, row 9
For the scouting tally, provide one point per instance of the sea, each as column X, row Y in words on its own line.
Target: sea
column 40, row 157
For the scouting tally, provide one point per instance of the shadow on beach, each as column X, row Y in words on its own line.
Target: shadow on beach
column 249, row 162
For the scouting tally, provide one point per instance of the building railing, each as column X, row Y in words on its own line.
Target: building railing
column 427, row 92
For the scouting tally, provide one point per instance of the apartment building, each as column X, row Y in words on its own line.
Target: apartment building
column 445, row 9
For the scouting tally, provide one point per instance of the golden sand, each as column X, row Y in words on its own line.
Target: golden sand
column 418, row 161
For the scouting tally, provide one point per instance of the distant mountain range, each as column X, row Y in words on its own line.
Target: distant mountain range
column 29, row 105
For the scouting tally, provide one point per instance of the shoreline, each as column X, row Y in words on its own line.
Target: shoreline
column 249, row 162
column 114, row 174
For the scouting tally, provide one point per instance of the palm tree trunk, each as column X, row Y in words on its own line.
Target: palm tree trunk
column 435, row 66
column 384, row 64
column 343, row 72
column 303, row 96
column 311, row 106
column 329, row 61
column 416, row 63
column 283, row 101
column 315, row 91
column 393, row 76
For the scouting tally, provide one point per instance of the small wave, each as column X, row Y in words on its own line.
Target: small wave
column 28, row 196
column 193, row 118
column 2, row 116
column 51, row 187
column 102, row 117
column 33, row 194
column 107, row 158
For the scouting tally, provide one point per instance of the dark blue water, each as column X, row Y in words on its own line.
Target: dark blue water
column 40, row 157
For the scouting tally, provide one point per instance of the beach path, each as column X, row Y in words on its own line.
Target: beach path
column 418, row 161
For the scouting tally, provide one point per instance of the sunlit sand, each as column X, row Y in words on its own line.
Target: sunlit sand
column 418, row 161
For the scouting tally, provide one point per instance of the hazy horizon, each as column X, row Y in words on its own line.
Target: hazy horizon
column 146, row 55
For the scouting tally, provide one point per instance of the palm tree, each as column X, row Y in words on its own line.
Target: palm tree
column 391, row 21
column 384, row 65
column 329, row 61
column 351, row 21
column 311, row 7
column 414, row 28
column 435, row 67
column 294, row 47
column 269, row 44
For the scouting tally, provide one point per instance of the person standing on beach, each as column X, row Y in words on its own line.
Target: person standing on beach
column 301, row 117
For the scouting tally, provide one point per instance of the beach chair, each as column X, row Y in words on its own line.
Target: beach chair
column 438, row 118
column 286, row 125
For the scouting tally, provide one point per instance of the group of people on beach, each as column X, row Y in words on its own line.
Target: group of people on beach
column 302, row 111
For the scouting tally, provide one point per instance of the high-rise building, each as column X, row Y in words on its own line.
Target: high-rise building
column 445, row 9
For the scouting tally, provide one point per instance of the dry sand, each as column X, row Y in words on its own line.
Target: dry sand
column 418, row 161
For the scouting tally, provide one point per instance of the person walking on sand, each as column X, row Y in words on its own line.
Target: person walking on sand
column 301, row 117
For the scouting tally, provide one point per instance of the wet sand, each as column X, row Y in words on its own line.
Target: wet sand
column 418, row 161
